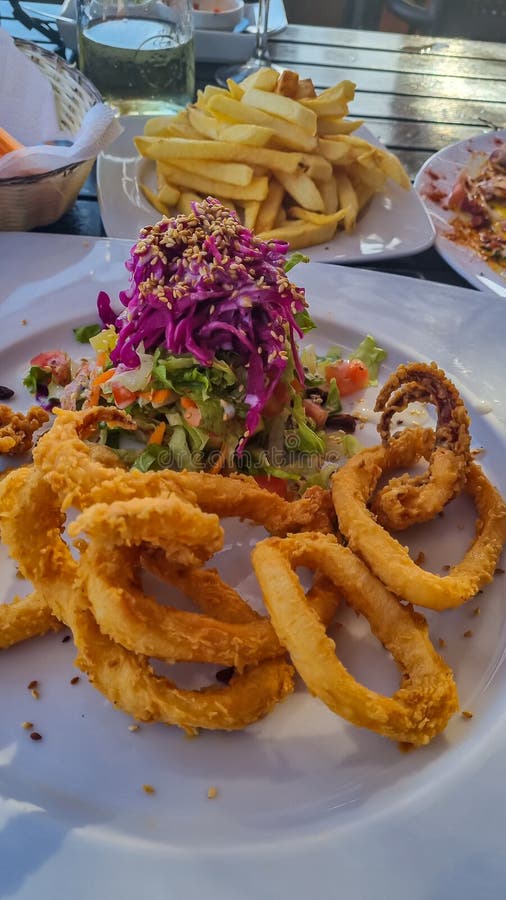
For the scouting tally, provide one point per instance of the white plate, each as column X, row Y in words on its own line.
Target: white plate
column 308, row 806
column 394, row 224
column 439, row 174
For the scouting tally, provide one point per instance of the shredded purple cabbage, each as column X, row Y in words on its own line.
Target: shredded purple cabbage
column 202, row 284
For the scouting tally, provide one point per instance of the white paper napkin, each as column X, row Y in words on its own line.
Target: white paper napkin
column 28, row 112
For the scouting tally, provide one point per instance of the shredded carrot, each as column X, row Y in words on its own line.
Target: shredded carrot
column 101, row 357
column 8, row 143
column 156, row 437
column 188, row 403
column 220, row 462
column 104, row 376
column 94, row 396
column 160, row 396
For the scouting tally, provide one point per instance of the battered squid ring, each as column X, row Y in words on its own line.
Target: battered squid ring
column 422, row 706
column 125, row 678
column 216, row 598
column 139, row 623
column 352, row 487
column 97, row 476
column 82, row 473
column 24, row 617
column 409, row 499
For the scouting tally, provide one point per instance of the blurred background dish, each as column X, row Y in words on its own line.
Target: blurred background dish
column 36, row 200
column 435, row 182
column 217, row 15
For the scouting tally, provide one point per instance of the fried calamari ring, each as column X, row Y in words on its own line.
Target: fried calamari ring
column 80, row 477
column 24, row 617
column 389, row 560
column 421, row 708
column 125, row 678
column 409, row 499
column 218, row 599
column 17, row 429
column 240, row 495
column 137, row 621
column 83, row 473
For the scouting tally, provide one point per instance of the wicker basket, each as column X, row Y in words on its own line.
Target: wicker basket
column 32, row 201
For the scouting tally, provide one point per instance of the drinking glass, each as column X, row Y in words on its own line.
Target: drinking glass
column 138, row 53
column 260, row 58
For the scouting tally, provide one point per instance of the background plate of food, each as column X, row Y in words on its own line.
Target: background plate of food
column 87, row 798
column 464, row 190
column 291, row 164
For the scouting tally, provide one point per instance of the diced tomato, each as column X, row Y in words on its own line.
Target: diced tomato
column 275, row 485
column 277, row 401
column 350, row 374
column 316, row 412
column 55, row 361
column 123, row 397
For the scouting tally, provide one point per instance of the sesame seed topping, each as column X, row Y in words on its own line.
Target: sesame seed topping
column 212, row 793
column 27, row 725
column 148, row 789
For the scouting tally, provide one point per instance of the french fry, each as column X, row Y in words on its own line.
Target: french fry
column 235, row 90
column 209, row 91
column 347, row 200
column 257, row 190
column 287, row 84
column 232, row 173
column 333, row 101
column 264, row 80
column 336, row 153
column 364, row 194
column 176, row 148
column 251, row 208
column 168, row 195
column 302, row 189
column 328, row 190
column 317, row 167
column 186, row 198
column 297, row 212
column 154, row 200
column 286, row 134
column 203, row 125
column 283, row 108
column 329, row 125
column 300, row 234
column 280, row 217
column 305, row 89
column 393, row 168
column 270, row 207
column 252, row 135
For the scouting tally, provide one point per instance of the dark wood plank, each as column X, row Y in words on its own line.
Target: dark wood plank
column 425, row 109
column 375, row 40
column 428, row 136
column 395, row 83
column 419, row 64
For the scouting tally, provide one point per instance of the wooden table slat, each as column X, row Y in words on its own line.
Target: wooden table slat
column 304, row 35
column 383, row 60
column 394, row 83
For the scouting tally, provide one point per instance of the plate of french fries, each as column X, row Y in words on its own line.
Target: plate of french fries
column 288, row 161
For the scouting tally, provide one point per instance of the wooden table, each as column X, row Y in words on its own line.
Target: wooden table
column 418, row 94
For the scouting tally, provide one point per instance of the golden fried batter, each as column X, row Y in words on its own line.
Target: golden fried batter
column 17, row 430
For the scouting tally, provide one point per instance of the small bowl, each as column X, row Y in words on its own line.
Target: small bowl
column 33, row 201
column 217, row 15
